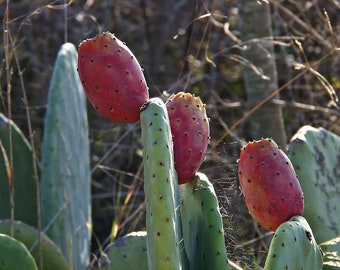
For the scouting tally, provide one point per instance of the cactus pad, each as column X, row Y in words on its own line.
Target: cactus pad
column 160, row 186
column 202, row 225
column 293, row 247
column 28, row 235
column 14, row 255
column 23, row 175
column 128, row 252
column 65, row 164
column 315, row 154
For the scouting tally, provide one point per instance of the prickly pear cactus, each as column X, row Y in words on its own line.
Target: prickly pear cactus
column 160, row 186
column 202, row 225
column 314, row 153
column 128, row 252
column 65, row 166
column 293, row 247
column 14, row 255
column 28, row 235
column 23, row 175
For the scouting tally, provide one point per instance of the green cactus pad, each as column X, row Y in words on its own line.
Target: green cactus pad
column 315, row 154
column 293, row 247
column 160, row 186
column 128, row 252
column 14, row 255
column 202, row 225
column 23, row 175
column 28, row 235
column 65, row 165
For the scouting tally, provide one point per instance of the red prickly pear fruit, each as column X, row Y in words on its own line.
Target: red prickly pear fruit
column 269, row 184
column 190, row 133
column 112, row 78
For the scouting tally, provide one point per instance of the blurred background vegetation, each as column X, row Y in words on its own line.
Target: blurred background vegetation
column 193, row 46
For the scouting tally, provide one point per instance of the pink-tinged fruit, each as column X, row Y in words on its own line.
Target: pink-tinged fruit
column 112, row 78
column 269, row 184
column 190, row 132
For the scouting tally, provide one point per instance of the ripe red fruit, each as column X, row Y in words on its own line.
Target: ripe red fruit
column 269, row 184
column 112, row 78
column 190, row 132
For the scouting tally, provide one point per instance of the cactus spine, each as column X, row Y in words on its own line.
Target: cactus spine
column 160, row 185
column 65, row 166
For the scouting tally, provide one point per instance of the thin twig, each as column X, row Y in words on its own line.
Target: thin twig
column 301, row 23
column 272, row 95
column 113, row 147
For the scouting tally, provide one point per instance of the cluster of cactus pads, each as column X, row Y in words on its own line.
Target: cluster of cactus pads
column 64, row 181
column 183, row 220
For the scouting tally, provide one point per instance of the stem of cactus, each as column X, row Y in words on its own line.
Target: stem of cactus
column 160, row 186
